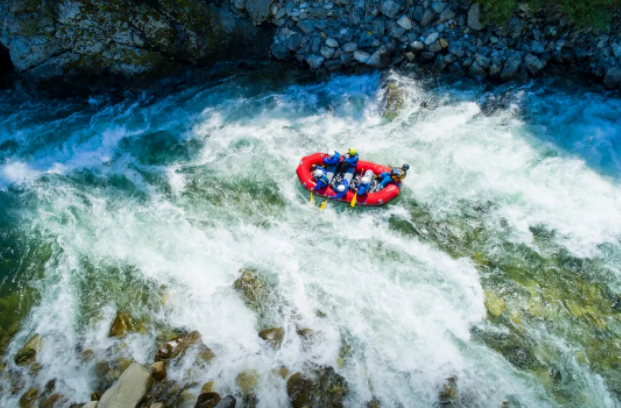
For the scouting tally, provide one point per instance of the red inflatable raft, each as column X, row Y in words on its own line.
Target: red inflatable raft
column 371, row 199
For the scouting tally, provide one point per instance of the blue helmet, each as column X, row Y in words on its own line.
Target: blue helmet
column 406, row 166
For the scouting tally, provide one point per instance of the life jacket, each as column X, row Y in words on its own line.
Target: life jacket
column 323, row 179
column 397, row 174
column 332, row 160
column 352, row 160
column 363, row 188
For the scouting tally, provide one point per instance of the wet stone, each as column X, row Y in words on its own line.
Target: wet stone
column 208, row 400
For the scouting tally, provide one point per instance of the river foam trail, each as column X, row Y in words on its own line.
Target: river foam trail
column 153, row 205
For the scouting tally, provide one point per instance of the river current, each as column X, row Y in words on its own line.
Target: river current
column 497, row 266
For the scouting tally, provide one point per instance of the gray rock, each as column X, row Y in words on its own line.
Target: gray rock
column 438, row 6
column 511, row 67
column 410, row 56
column 331, row 42
column 536, row 47
column 354, row 18
column 390, row 8
column 129, row 390
column 474, row 17
column 294, row 41
column 482, row 60
column 239, row 4
column 350, row 47
column 306, row 26
column 258, row 10
column 378, row 28
column 427, row 18
column 281, row 51
column 314, row 61
column 431, row 38
column 92, row 404
column 405, row 22
column 456, row 69
column 380, row 58
column 227, row 402
column 418, row 13
column 447, row 15
column 327, row 52
column 616, row 50
column 439, row 64
column 417, row 46
column 361, row 56
column 475, row 70
column 436, row 47
column 457, row 50
column 365, row 40
column 396, row 31
column 333, row 65
column 347, row 58
column 532, row 64
column 612, row 79
column 428, row 55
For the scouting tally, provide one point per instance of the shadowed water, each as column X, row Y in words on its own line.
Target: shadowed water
column 497, row 265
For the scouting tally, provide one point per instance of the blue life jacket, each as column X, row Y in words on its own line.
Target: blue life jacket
column 363, row 188
column 322, row 181
column 340, row 195
column 351, row 160
column 333, row 160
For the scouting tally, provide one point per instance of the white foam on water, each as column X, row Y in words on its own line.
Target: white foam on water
column 405, row 308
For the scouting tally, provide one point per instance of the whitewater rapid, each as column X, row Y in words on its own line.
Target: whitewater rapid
column 153, row 205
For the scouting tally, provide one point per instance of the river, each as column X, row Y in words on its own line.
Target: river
column 497, row 266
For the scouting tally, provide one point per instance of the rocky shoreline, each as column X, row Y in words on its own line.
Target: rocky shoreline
column 72, row 47
column 123, row 382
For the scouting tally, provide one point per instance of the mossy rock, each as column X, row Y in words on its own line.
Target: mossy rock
column 273, row 336
column 300, row 390
column 495, row 304
column 448, row 393
column 207, row 387
column 208, row 400
column 247, row 381
column 373, row 404
column 28, row 353
column 121, row 325
column 393, row 101
column 29, row 398
column 177, row 346
column 252, row 289
column 53, row 401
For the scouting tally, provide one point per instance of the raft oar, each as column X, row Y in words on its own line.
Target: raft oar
column 323, row 205
column 312, row 200
column 353, row 200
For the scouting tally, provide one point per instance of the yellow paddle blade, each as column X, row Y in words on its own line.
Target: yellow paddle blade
column 323, row 205
column 312, row 199
column 353, row 200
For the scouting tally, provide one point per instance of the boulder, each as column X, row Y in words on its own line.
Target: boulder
column 28, row 353
column 393, row 101
column 227, row 402
column 29, row 398
column 431, row 38
column 417, row 46
column 281, row 51
column 273, row 336
column 439, row 64
column 247, row 381
column 314, row 61
column 94, row 404
column 294, row 41
column 258, row 10
column 532, row 64
column 474, row 17
column 332, row 43
column 476, row 70
column 380, row 58
column 252, row 289
column 511, row 67
column 207, row 400
column 390, row 8
column 612, row 79
column 362, row 56
column 350, row 47
column 495, row 304
column 405, row 22
column 177, row 346
column 239, row 4
column 436, row 47
column 438, row 6
column 299, row 390
column 158, row 371
column 428, row 17
column 326, row 52
column 129, row 390
column 158, row 405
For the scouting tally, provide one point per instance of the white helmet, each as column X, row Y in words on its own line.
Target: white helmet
column 331, row 153
column 317, row 173
column 341, row 188
column 366, row 180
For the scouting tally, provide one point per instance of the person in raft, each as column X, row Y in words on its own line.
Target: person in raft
column 364, row 185
column 341, row 190
column 333, row 158
column 321, row 177
column 395, row 175
column 351, row 158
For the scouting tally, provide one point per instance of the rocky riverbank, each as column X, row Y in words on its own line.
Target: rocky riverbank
column 120, row 381
column 87, row 46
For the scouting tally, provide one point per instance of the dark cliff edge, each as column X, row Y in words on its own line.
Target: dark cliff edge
column 69, row 47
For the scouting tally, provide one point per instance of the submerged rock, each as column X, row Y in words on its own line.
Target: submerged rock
column 612, row 79
column 129, row 390
column 326, row 391
column 158, row 371
column 28, row 353
column 247, row 381
column 495, row 304
column 273, row 336
column 448, row 393
column 299, row 390
column 227, row 402
column 393, row 101
column 177, row 346
column 121, row 324
column 254, row 292
column 28, row 400
column 208, row 400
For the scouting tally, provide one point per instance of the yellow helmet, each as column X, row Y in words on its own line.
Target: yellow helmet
column 352, row 152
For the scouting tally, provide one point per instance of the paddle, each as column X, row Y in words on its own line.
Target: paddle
column 323, row 205
column 312, row 200
column 353, row 200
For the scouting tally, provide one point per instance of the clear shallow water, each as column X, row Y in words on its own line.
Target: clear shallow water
column 153, row 204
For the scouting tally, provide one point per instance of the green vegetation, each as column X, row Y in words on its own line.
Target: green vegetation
column 581, row 12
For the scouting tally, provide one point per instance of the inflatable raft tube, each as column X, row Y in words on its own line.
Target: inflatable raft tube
column 370, row 199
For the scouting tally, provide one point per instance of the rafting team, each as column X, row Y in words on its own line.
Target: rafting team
column 350, row 160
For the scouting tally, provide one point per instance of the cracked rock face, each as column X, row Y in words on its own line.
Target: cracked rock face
column 54, row 43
